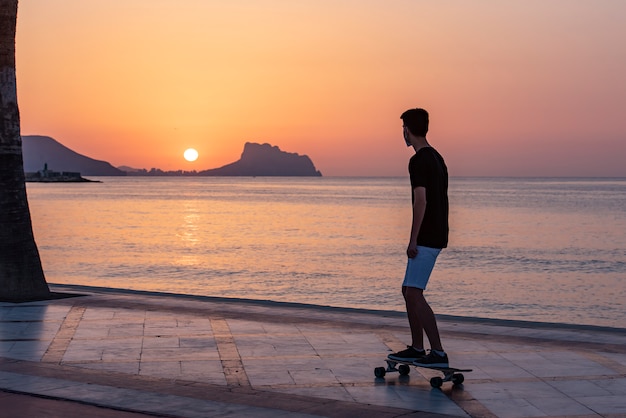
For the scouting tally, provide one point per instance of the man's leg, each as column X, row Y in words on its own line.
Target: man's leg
column 417, row 331
column 415, row 351
column 420, row 316
column 420, row 313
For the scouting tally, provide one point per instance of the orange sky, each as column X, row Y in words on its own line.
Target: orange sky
column 518, row 88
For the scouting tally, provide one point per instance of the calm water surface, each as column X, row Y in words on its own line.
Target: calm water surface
column 551, row 250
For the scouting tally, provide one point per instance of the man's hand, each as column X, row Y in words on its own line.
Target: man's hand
column 412, row 251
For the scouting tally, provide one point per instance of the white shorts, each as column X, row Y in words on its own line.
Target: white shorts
column 418, row 269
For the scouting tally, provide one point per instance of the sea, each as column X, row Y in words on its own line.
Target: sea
column 528, row 249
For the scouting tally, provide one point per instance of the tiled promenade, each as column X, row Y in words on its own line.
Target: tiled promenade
column 129, row 354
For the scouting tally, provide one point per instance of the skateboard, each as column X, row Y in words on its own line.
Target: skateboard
column 450, row 374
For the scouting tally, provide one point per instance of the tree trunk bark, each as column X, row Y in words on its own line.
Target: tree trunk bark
column 21, row 273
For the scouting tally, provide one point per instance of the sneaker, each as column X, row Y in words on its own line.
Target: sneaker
column 408, row 355
column 432, row 360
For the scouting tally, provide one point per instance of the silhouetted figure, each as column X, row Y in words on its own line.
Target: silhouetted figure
column 429, row 234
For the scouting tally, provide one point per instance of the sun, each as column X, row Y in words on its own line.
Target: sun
column 190, row 154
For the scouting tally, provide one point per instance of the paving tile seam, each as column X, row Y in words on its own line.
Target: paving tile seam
column 63, row 337
column 602, row 377
column 232, row 365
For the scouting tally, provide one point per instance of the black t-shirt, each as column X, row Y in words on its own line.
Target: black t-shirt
column 428, row 169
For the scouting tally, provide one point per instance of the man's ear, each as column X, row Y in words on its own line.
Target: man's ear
column 405, row 132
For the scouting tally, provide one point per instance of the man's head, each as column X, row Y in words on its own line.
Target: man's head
column 416, row 121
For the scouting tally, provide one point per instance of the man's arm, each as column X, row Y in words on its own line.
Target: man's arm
column 419, row 207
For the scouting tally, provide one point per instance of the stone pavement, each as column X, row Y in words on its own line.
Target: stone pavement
column 119, row 353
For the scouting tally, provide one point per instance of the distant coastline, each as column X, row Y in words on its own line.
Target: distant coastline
column 262, row 160
column 256, row 160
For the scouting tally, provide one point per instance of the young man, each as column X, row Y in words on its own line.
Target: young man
column 429, row 234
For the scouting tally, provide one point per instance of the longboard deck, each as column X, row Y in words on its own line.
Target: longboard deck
column 450, row 374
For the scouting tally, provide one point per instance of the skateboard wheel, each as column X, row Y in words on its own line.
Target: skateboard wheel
column 404, row 369
column 379, row 372
column 458, row 378
column 436, row 382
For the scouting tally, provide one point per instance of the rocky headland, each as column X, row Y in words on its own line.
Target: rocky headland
column 266, row 160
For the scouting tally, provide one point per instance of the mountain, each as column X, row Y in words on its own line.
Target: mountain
column 266, row 160
column 41, row 150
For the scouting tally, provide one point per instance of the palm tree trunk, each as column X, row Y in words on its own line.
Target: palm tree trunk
column 21, row 274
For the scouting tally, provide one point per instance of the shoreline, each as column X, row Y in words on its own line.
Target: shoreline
column 337, row 309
